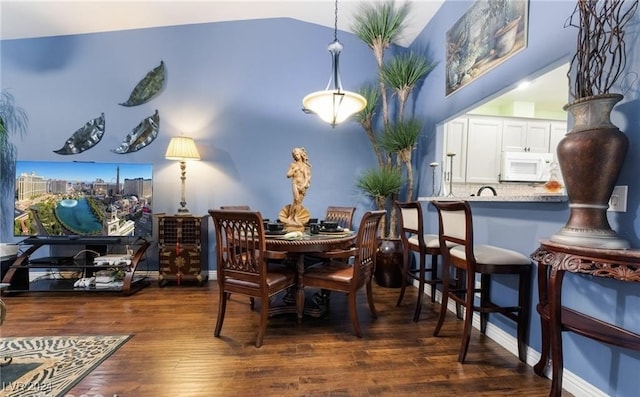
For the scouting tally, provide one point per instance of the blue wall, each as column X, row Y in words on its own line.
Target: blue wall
column 237, row 87
column 520, row 226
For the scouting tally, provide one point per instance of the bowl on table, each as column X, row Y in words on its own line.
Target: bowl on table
column 328, row 225
column 275, row 227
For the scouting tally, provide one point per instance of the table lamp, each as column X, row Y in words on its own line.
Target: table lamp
column 182, row 148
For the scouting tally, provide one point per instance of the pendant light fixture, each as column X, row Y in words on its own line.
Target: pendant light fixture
column 334, row 105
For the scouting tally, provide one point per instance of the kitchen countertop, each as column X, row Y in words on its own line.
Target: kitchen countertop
column 537, row 198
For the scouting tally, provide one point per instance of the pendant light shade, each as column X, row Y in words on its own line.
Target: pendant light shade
column 334, row 105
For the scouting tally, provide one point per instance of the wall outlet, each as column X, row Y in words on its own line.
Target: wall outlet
column 618, row 200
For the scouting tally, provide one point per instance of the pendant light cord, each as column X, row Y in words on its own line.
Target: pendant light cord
column 335, row 30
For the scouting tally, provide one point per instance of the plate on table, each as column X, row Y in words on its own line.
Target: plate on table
column 332, row 231
column 275, row 232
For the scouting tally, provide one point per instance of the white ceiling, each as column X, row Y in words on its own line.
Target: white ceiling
column 40, row 18
column 549, row 91
column 29, row 18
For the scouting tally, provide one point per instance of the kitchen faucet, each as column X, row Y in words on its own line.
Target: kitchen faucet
column 482, row 188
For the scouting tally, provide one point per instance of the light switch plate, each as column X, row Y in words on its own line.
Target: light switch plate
column 618, row 200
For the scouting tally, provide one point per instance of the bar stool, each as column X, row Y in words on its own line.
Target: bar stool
column 415, row 240
column 456, row 227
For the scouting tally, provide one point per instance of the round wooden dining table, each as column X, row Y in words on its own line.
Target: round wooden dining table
column 297, row 249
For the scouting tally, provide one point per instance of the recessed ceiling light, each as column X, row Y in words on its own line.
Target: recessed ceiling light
column 524, row 85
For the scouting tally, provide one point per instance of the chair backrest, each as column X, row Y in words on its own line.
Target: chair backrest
column 456, row 227
column 411, row 222
column 235, row 207
column 342, row 215
column 366, row 248
column 240, row 246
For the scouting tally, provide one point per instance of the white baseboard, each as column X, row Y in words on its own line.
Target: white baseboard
column 570, row 381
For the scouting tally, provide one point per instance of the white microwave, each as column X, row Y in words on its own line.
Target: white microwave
column 525, row 166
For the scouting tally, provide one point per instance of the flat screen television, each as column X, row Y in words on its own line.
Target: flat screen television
column 88, row 199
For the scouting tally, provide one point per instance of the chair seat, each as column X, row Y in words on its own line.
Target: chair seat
column 430, row 241
column 491, row 255
column 334, row 271
column 276, row 277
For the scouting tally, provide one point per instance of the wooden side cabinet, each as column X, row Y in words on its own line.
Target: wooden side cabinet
column 183, row 249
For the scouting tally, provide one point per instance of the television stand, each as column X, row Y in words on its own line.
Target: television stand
column 84, row 271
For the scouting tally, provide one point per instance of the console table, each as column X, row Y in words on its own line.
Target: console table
column 553, row 261
column 87, row 249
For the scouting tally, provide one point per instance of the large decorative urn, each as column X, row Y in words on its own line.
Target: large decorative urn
column 590, row 158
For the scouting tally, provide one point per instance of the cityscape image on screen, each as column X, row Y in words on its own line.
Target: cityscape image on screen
column 83, row 199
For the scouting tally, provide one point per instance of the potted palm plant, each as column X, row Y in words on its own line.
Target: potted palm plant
column 13, row 121
column 393, row 135
column 591, row 154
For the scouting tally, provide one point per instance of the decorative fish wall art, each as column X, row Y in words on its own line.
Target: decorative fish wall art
column 84, row 138
column 141, row 136
column 148, row 87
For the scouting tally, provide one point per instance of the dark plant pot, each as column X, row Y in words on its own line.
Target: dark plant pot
column 388, row 271
column 590, row 158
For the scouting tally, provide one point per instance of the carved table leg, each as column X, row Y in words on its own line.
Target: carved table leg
column 543, row 298
column 555, row 328
column 300, row 286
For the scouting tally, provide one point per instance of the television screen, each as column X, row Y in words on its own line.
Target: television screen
column 83, row 199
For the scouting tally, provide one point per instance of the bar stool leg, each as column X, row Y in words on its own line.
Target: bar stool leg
column 468, row 316
column 421, row 276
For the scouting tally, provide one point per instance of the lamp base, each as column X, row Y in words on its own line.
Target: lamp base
column 183, row 212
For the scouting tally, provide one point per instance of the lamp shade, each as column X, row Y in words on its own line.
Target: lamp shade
column 334, row 106
column 182, row 148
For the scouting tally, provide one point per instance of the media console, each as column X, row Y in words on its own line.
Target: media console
column 94, row 267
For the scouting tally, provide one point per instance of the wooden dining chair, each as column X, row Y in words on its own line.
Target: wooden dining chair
column 415, row 240
column 338, row 273
column 456, row 227
column 239, row 208
column 342, row 215
column 247, row 271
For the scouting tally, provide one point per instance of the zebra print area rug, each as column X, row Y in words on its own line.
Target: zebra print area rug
column 51, row 365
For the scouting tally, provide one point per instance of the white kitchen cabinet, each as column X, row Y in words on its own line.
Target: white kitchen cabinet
column 455, row 141
column 484, row 138
column 479, row 140
column 558, row 131
column 525, row 136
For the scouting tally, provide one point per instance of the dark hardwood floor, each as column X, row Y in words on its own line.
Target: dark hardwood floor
column 173, row 351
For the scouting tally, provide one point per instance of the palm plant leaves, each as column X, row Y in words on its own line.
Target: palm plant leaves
column 401, row 138
column 381, row 183
column 365, row 118
column 402, row 73
column 13, row 121
column 378, row 25
column 372, row 94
